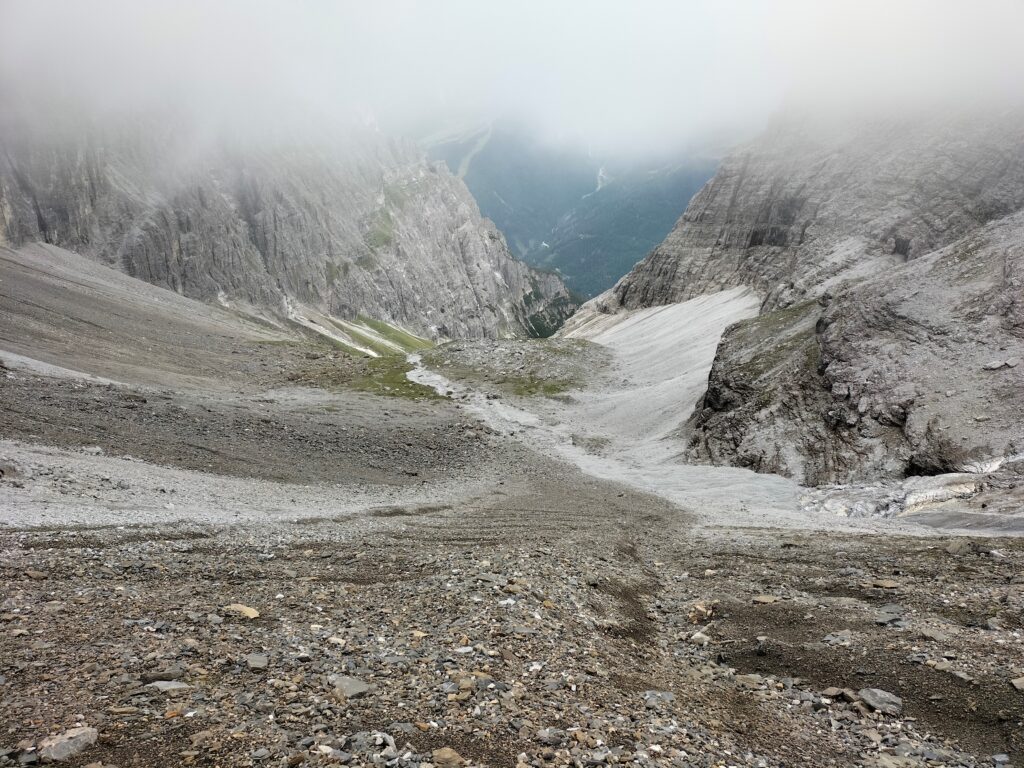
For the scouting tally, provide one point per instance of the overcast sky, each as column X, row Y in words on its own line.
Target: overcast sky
column 612, row 74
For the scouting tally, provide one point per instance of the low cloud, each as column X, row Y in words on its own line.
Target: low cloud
column 619, row 75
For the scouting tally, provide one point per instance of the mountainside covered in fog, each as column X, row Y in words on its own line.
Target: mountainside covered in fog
column 359, row 227
column 890, row 265
column 590, row 218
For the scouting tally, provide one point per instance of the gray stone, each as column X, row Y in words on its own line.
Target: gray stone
column 933, row 634
column 68, row 744
column 169, row 686
column 257, row 661
column 881, row 701
column 351, row 687
column 842, row 637
column 657, row 699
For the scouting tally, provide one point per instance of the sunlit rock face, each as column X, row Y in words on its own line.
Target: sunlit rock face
column 356, row 226
column 890, row 262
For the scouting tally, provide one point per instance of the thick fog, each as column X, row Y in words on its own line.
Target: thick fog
column 626, row 74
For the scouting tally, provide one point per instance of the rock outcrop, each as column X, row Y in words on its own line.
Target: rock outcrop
column 891, row 266
column 800, row 211
column 360, row 227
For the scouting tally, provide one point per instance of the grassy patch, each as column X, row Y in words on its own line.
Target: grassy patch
column 383, row 376
column 381, row 232
column 529, row 386
column 405, row 340
column 386, row 376
column 375, row 330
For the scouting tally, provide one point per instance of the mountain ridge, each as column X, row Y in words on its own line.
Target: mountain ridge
column 845, row 376
column 369, row 227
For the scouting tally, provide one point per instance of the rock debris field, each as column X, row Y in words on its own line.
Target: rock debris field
column 260, row 567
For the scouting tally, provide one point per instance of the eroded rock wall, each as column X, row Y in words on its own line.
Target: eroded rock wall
column 363, row 227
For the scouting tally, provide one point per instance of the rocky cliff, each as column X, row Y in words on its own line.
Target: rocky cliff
column 890, row 262
column 587, row 215
column 804, row 209
column 359, row 227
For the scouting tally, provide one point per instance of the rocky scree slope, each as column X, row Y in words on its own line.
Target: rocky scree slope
column 891, row 266
column 359, row 227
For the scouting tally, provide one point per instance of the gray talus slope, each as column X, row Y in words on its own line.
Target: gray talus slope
column 890, row 266
column 364, row 227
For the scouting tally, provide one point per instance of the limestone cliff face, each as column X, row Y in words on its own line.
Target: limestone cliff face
column 917, row 370
column 794, row 214
column 364, row 227
column 890, row 266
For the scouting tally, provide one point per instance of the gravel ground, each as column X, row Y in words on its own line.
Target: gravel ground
column 542, row 623
column 256, row 565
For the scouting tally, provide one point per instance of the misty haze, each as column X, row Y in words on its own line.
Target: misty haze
column 433, row 384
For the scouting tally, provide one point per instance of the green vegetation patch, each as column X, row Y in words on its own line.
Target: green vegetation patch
column 386, row 376
column 530, row 386
column 381, row 232
column 404, row 339
column 524, row 368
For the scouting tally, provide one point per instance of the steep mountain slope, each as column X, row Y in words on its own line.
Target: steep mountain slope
column 588, row 217
column 347, row 228
column 889, row 262
column 799, row 211
column 610, row 228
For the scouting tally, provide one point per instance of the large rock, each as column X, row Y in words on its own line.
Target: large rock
column 881, row 701
column 66, row 745
column 360, row 226
column 351, row 687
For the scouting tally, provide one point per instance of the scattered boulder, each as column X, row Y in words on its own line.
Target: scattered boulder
column 446, row 757
column 169, row 686
column 257, row 661
column 995, row 365
column 842, row 637
column 243, row 610
column 881, row 701
column 933, row 634
column 963, row 547
column 891, row 615
column 173, row 672
column 351, row 687
column 657, row 699
column 68, row 744
column 9, row 470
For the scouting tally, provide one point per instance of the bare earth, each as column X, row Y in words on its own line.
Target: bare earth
column 492, row 573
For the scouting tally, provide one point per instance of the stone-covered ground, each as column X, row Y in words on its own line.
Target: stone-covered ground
column 555, row 621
